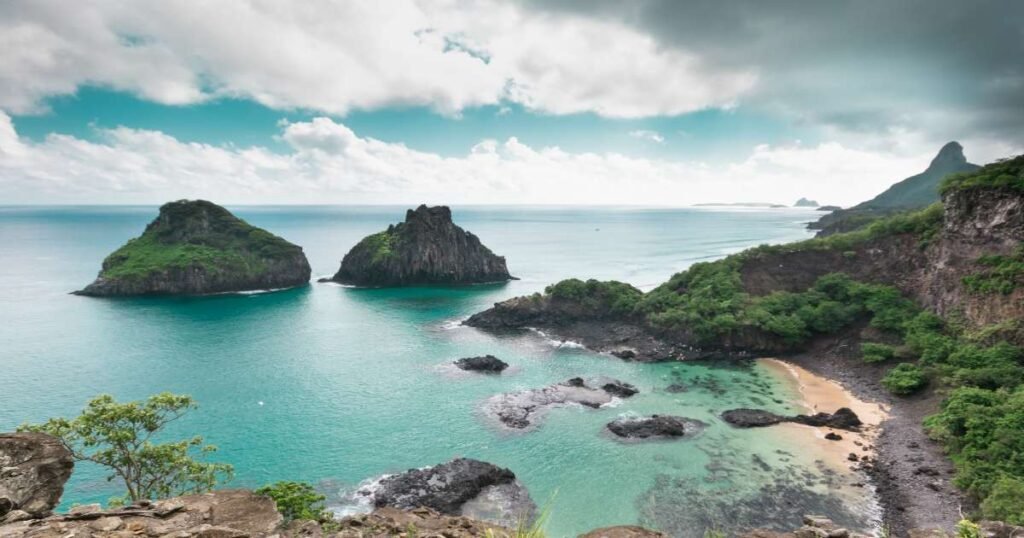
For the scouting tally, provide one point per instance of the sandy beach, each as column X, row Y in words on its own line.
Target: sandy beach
column 818, row 394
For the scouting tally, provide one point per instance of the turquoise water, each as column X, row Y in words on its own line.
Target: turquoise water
column 337, row 386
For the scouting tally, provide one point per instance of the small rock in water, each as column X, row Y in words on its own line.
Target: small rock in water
column 833, row 436
column 852, row 457
column 653, row 426
column 620, row 389
column 486, row 363
column 676, row 388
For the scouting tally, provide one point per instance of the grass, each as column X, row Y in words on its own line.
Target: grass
column 1001, row 274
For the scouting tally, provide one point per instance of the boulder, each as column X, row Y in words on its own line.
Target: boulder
column 195, row 247
column 444, row 487
column 620, row 389
column 428, row 248
column 751, row 418
column 33, row 470
column 843, row 419
column 486, row 363
column 654, row 426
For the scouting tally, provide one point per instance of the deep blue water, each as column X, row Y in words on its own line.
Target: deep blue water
column 337, row 385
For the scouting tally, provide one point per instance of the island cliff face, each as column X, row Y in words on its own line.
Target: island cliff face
column 428, row 248
column 197, row 247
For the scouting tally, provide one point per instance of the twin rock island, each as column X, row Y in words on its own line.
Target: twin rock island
column 198, row 247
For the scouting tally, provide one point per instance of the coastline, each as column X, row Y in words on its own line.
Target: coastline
column 818, row 393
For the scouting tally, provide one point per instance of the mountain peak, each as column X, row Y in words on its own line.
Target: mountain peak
column 950, row 154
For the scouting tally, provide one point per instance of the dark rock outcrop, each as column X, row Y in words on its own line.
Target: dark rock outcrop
column 654, row 426
column 33, row 470
column 751, row 418
column 486, row 363
column 445, row 488
column 842, row 419
column 428, row 248
column 519, row 410
column 197, row 247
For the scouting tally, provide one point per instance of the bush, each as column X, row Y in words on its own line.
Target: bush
column 1006, row 502
column 904, row 379
column 296, row 500
column 873, row 352
column 601, row 298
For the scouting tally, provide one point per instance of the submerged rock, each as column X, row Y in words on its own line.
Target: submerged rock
column 843, row 419
column 519, row 410
column 446, row 487
column 428, row 248
column 33, row 470
column 486, row 363
column 654, row 426
column 196, row 247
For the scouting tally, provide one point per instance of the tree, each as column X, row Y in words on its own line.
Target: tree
column 120, row 436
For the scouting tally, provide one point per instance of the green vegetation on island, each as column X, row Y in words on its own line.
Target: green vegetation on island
column 1004, row 173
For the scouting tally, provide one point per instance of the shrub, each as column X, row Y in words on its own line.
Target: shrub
column 904, row 379
column 1006, row 502
column 296, row 500
column 873, row 352
column 603, row 298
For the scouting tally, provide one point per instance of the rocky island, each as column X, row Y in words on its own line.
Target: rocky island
column 196, row 247
column 428, row 248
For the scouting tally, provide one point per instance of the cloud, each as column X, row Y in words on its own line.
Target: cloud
column 945, row 68
column 334, row 57
column 644, row 134
column 327, row 162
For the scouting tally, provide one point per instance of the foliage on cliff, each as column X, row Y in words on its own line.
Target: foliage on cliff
column 1000, row 274
column 197, row 234
column 1004, row 173
column 120, row 437
column 297, row 501
column 611, row 296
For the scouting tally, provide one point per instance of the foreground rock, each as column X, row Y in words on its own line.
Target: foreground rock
column 487, row 363
column 519, row 410
column 387, row 522
column 33, row 470
column 428, row 248
column 626, row 531
column 220, row 514
column 813, row 527
column 197, row 247
column 843, row 419
column 654, row 426
column 460, row 487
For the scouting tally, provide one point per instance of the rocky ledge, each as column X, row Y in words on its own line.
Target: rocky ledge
column 519, row 410
column 486, row 363
column 33, row 470
column 843, row 419
column 197, row 247
column 428, row 248
column 654, row 427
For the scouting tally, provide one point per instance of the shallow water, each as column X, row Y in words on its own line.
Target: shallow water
column 337, row 385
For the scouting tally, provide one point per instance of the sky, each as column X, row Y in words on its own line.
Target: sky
column 648, row 102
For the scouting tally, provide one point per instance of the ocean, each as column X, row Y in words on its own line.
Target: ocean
column 337, row 386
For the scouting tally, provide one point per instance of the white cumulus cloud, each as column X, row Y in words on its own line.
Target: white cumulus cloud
column 326, row 162
column 338, row 56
